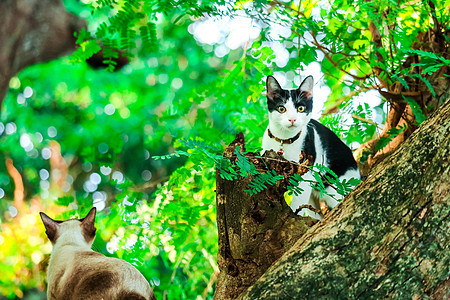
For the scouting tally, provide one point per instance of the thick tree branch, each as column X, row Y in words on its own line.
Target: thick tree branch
column 33, row 31
column 387, row 239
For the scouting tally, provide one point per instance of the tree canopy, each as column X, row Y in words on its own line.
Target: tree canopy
column 141, row 136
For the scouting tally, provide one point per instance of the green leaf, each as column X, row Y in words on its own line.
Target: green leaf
column 417, row 111
column 392, row 133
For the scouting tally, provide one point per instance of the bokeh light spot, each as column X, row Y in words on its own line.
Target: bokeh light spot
column 105, row 170
column 52, row 132
column 95, row 178
column 28, row 92
column 14, row 83
column 43, row 173
column 146, row 175
column 103, row 148
column 117, row 175
column 46, row 153
column 109, row 109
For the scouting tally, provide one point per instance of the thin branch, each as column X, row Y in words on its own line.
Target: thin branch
column 394, row 97
column 310, row 207
column 211, row 282
column 289, row 8
column 335, row 107
column 366, row 121
column 327, row 52
column 19, row 193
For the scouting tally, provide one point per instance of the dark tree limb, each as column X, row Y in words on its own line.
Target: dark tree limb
column 33, row 31
column 254, row 231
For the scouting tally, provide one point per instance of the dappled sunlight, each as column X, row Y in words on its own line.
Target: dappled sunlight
column 24, row 248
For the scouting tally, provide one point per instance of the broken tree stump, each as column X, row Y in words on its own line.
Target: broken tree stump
column 254, row 231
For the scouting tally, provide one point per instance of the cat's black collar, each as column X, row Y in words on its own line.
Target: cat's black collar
column 284, row 141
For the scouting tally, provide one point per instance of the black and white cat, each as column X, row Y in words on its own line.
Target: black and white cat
column 291, row 131
column 77, row 272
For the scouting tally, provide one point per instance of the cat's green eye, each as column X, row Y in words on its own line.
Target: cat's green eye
column 301, row 109
column 281, row 109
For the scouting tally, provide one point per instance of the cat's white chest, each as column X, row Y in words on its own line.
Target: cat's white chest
column 288, row 151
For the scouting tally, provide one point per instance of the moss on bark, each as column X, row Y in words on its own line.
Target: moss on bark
column 388, row 238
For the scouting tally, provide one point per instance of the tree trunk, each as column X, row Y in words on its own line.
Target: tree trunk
column 254, row 231
column 388, row 238
column 33, row 31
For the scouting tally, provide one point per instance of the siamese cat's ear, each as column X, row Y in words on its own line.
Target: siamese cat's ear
column 307, row 87
column 273, row 87
column 51, row 227
column 88, row 225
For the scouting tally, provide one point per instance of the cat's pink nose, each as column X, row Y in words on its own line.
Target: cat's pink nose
column 292, row 121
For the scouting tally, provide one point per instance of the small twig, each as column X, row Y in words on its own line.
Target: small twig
column 212, row 280
column 327, row 53
column 149, row 185
column 366, row 121
column 281, row 160
column 335, row 107
column 310, row 207
column 299, row 13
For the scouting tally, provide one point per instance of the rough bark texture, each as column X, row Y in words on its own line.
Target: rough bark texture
column 254, row 231
column 33, row 31
column 389, row 238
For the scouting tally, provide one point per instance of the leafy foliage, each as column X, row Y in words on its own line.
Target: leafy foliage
column 417, row 111
column 392, row 133
column 130, row 22
column 323, row 178
column 261, row 181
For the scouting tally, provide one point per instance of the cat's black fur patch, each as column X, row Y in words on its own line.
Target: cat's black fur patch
column 298, row 97
column 276, row 96
column 340, row 157
column 280, row 98
column 87, row 280
column 309, row 146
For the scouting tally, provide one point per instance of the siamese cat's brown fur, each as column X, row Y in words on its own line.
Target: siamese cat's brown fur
column 75, row 271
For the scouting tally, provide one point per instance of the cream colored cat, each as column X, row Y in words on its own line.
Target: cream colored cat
column 75, row 271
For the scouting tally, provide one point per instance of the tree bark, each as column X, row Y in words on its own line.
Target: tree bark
column 33, row 31
column 254, row 231
column 388, row 238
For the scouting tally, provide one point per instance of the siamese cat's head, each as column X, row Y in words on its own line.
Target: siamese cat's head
column 75, row 231
column 289, row 110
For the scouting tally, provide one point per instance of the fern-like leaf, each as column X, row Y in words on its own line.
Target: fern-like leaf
column 417, row 111
column 260, row 182
column 392, row 133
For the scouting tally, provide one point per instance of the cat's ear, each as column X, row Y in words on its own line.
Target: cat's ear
column 273, row 87
column 51, row 227
column 88, row 225
column 307, row 87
